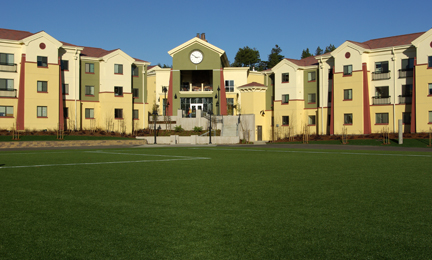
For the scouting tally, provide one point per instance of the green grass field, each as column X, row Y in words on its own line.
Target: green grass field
column 215, row 203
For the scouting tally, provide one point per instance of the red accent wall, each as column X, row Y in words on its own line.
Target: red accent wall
column 21, row 96
column 332, row 106
column 61, row 116
column 222, row 98
column 367, row 128
column 170, row 95
column 413, row 102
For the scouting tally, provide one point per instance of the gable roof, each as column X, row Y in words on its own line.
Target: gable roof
column 13, row 34
column 389, row 41
column 252, row 84
column 309, row 61
column 95, row 52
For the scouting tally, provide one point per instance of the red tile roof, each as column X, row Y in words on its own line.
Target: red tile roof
column 309, row 61
column 69, row 44
column 139, row 60
column 95, row 52
column 14, row 34
column 389, row 41
column 253, row 84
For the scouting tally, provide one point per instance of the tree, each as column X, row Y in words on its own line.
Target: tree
column 274, row 57
column 306, row 53
column 318, row 51
column 164, row 66
column 246, row 57
column 330, row 48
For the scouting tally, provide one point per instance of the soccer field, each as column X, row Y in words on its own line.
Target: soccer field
column 215, row 203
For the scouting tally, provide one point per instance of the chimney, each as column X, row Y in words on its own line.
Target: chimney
column 203, row 37
column 198, row 35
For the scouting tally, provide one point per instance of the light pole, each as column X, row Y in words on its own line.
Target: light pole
column 210, row 127
column 155, row 114
column 164, row 90
column 218, row 104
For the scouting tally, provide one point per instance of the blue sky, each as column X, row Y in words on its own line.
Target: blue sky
column 149, row 29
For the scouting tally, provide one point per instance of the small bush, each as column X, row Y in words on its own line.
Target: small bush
column 197, row 129
column 178, row 128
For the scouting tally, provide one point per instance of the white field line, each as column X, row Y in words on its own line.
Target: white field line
column 144, row 154
column 347, row 153
column 178, row 158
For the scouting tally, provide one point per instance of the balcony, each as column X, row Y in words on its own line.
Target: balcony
column 8, row 93
column 196, row 87
column 8, row 67
column 380, row 100
column 405, row 99
column 405, row 73
column 380, row 75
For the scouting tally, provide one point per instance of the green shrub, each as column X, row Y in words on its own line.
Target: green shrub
column 178, row 128
column 198, row 129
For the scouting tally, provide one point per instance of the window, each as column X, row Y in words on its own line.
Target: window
column 135, row 114
column 407, row 64
column 382, row 92
column 65, row 89
column 347, row 70
column 41, row 111
column 135, row 71
column 285, row 120
column 135, row 92
column 285, row 99
column 65, row 65
column 348, row 119
column 89, row 90
column 89, row 113
column 406, row 118
column 347, row 94
column 66, row 112
column 118, row 113
column 329, row 96
column 229, row 85
column 42, row 61
column 311, row 120
column 42, row 86
column 118, row 68
column 6, row 84
column 118, row 91
column 285, row 77
column 6, row 111
column 6, row 59
column 430, row 89
column 230, row 106
column 311, row 98
column 381, row 118
column 407, row 90
column 381, row 67
column 311, row 76
column 89, row 68
column 430, row 117
column 430, row 61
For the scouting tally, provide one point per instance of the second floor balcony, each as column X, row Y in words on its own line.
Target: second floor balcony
column 381, row 75
column 405, row 73
column 196, row 87
column 380, row 100
column 8, row 93
column 405, row 99
column 8, row 67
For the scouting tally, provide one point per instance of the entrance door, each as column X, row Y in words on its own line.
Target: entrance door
column 259, row 132
column 195, row 107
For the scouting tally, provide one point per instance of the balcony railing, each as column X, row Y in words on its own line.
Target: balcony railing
column 380, row 100
column 405, row 73
column 405, row 99
column 380, row 75
column 8, row 67
column 8, row 93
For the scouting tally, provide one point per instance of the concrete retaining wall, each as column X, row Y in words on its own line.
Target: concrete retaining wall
column 193, row 139
column 36, row 144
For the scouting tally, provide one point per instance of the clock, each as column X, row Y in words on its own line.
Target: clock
column 196, row 57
